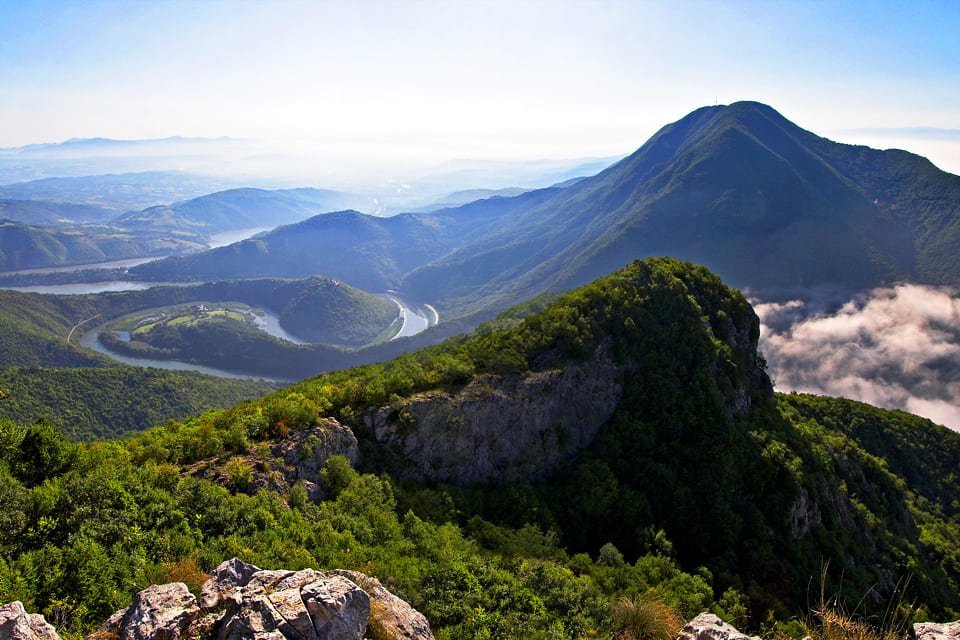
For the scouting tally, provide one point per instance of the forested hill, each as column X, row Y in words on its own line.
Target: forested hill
column 24, row 246
column 739, row 188
column 621, row 438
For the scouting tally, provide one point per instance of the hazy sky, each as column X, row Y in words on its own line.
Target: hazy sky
column 475, row 79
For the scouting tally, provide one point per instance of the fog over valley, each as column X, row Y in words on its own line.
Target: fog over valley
column 894, row 347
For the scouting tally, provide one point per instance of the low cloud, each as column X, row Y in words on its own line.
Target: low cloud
column 896, row 347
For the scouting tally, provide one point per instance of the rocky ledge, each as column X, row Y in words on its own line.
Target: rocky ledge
column 242, row 602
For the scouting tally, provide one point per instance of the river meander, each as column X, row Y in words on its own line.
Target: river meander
column 270, row 324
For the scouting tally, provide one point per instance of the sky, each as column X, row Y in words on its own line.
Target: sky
column 454, row 79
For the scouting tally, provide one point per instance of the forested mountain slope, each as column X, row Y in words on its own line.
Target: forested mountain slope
column 25, row 246
column 682, row 473
column 106, row 402
column 39, row 212
column 42, row 375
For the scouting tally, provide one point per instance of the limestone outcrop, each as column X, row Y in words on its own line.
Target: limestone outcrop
column 242, row 602
column 391, row 617
column 937, row 631
column 297, row 457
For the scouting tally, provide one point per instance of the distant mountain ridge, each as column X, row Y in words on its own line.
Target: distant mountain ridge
column 366, row 251
column 739, row 188
column 107, row 144
column 117, row 191
column 41, row 212
column 240, row 208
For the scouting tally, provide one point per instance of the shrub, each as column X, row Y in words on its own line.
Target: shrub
column 336, row 475
column 240, row 473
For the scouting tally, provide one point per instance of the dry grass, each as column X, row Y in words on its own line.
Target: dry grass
column 644, row 617
column 185, row 570
column 831, row 621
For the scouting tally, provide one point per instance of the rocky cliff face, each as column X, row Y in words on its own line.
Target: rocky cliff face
column 503, row 427
column 500, row 427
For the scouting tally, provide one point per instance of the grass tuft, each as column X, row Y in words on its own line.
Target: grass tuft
column 644, row 617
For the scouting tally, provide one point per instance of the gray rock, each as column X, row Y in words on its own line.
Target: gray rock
column 160, row 612
column 297, row 579
column 257, row 619
column 243, row 602
column 391, row 618
column 228, row 576
column 339, row 608
column 265, row 579
column 297, row 605
column 935, row 631
column 113, row 622
column 291, row 606
column 17, row 624
column 707, row 626
column 500, row 427
column 305, row 452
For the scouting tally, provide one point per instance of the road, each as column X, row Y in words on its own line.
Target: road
column 74, row 327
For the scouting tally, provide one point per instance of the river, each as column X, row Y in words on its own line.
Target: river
column 415, row 319
column 113, row 264
column 92, row 287
column 268, row 322
column 229, row 237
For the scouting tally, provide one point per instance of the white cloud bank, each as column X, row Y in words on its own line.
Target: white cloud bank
column 897, row 348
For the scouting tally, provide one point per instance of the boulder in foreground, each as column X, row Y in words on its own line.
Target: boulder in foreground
column 243, row 602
